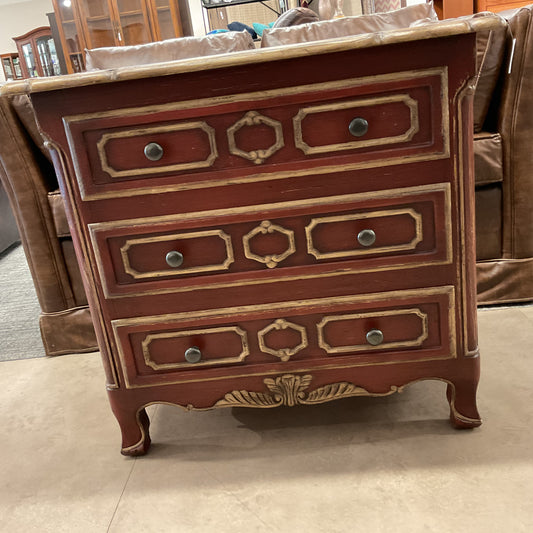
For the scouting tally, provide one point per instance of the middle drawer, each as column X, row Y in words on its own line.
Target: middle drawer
column 399, row 228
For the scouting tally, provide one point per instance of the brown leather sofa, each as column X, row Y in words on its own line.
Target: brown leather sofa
column 504, row 193
column 30, row 182
column 504, row 167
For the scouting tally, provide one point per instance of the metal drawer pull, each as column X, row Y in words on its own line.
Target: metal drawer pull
column 358, row 127
column 366, row 237
column 153, row 151
column 193, row 354
column 174, row 259
column 374, row 337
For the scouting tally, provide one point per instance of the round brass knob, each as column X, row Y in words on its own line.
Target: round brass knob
column 358, row 127
column 374, row 337
column 153, row 151
column 174, row 259
column 366, row 237
column 193, row 354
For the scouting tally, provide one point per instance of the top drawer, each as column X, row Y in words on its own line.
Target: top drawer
column 347, row 124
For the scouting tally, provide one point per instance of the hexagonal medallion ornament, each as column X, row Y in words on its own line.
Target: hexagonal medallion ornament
column 284, row 353
column 270, row 260
column 253, row 118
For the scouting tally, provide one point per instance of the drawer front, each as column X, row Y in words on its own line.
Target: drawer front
column 404, row 326
column 346, row 124
column 400, row 228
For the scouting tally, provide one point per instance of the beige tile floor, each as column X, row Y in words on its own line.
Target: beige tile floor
column 364, row 464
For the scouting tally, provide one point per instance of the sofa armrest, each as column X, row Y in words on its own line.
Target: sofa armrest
column 514, row 125
column 27, row 187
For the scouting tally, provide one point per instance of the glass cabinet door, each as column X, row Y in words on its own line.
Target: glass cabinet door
column 29, row 60
column 70, row 39
column 134, row 23
column 46, row 49
column 8, row 71
column 166, row 19
column 16, row 68
column 101, row 28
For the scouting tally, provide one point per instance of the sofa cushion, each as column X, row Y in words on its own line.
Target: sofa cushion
column 488, row 222
column 504, row 280
column 169, row 50
column 488, row 158
column 346, row 26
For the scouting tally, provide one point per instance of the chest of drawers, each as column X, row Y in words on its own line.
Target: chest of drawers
column 276, row 227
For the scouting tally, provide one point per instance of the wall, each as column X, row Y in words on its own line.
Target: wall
column 18, row 18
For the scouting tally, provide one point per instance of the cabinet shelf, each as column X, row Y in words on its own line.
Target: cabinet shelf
column 137, row 12
column 98, row 18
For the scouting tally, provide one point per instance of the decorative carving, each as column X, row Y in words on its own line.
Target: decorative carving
column 271, row 261
column 283, row 353
column 290, row 390
column 253, row 118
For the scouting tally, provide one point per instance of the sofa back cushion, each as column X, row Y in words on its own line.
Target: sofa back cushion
column 346, row 26
column 169, row 50
column 490, row 51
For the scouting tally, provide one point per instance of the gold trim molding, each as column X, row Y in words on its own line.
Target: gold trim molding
column 147, row 170
column 290, row 390
column 417, row 217
column 178, row 334
column 271, row 261
column 283, row 353
column 409, row 102
column 179, row 271
column 253, row 118
column 366, row 347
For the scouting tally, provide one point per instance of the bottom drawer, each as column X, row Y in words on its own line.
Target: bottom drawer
column 371, row 329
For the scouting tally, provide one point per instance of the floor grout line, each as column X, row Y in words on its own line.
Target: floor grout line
column 121, row 494
column 129, row 477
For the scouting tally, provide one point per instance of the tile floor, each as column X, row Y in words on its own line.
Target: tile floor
column 363, row 464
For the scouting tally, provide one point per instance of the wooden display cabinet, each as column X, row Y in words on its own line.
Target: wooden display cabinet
column 98, row 23
column 11, row 66
column 37, row 53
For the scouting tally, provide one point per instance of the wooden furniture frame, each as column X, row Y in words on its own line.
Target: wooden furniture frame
column 263, row 248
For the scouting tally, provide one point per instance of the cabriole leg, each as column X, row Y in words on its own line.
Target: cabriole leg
column 134, row 424
column 463, row 409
